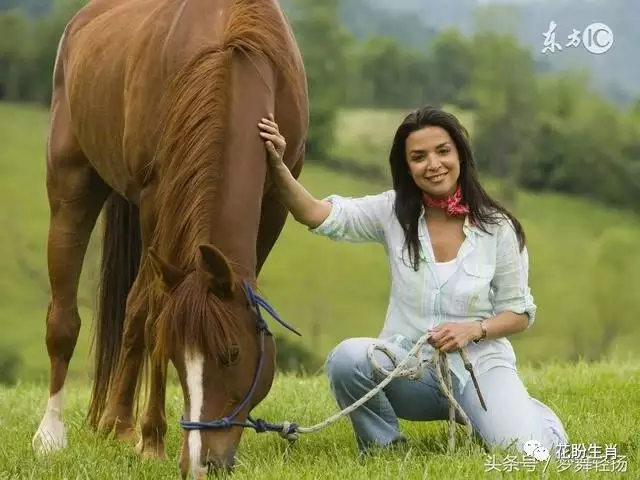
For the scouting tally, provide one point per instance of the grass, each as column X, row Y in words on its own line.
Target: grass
column 583, row 261
column 598, row 404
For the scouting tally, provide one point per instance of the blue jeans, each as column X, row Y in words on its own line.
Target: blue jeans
column 512, row 415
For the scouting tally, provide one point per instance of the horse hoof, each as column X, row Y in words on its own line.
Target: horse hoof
column 50, row 436
column 128, row 435
column 105, row 425
column 149, row 452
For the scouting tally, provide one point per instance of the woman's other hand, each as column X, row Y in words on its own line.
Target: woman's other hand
column 452, row 336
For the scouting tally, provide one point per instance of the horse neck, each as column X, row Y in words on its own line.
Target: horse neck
column 212, row 161
column 208, row 210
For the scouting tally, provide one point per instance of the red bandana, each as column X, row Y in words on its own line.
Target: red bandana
column 452, row 205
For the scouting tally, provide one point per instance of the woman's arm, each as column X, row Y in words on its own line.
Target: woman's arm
column 502, row 325
column 304, row 207
column 512, row 297
column 451, row 336
column 360, row 219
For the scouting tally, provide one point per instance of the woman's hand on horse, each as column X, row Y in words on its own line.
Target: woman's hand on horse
column 452, row 336
column 274, row 141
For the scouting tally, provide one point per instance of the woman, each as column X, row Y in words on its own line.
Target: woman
column 459, row 269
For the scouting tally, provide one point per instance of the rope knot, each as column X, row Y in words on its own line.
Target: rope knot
column 288, row 431
column 260, row 425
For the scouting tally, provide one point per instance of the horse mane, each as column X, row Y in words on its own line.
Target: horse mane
column 196, row 109
column 191, row 313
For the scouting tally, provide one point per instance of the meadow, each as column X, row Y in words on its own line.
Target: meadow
column 598, row 404
column 580, row 356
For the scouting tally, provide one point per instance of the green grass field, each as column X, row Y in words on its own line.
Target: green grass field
column 584, row 262
column 597, row 403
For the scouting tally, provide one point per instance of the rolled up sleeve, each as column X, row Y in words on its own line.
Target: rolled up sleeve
column 511, row 281
column 358, row 220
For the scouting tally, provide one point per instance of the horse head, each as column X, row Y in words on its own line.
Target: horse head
column 210, row 329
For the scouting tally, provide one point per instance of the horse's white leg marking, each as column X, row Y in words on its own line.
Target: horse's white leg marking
column 51, row 434
column 194, row 365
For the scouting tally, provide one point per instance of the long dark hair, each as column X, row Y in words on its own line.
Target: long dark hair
column 484, row 210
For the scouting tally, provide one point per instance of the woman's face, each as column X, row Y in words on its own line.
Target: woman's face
column 433, row 161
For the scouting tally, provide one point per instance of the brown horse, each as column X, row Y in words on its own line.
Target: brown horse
column 154, row 117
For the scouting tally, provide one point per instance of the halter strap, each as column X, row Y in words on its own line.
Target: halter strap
column 229, row 421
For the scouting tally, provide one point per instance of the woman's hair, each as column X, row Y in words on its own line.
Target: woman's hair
column 483, row 209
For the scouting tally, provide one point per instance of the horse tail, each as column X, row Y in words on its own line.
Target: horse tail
column 121, row 250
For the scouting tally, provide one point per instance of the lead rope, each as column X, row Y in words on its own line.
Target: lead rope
column 440, row 362
column 289, row 430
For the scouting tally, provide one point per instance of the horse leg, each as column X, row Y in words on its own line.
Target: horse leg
column 118, row 413
column 76, row 196
column 154, row 422
column 153, row 426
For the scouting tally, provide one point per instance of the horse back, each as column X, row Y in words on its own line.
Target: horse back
column 118, row 57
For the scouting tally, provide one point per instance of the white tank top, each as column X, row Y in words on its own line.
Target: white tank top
column 446, row 270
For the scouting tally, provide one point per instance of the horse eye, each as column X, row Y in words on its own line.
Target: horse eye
column 229, row 356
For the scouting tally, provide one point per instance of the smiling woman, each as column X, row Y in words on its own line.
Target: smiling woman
column 465, row 280
column 436, row 178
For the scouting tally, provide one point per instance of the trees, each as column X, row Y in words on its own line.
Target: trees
column 504, row 93
column 324, row 43
column 28, row 49
column 535, row 129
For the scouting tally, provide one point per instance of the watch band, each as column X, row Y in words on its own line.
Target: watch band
column 483, row 326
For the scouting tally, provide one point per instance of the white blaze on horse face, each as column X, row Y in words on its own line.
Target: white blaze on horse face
column 194, row 365
column 51, row 434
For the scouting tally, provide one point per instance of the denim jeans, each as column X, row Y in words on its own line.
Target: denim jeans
column 513, row 417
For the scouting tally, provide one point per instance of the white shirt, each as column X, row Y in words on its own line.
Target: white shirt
column 488, row 276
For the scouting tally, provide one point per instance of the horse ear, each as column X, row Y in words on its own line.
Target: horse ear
column 170, row 275
column 215, row 263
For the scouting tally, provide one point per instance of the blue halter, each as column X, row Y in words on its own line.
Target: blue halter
column 229, row 421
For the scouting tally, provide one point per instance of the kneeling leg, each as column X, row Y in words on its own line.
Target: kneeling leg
column 513, row 417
